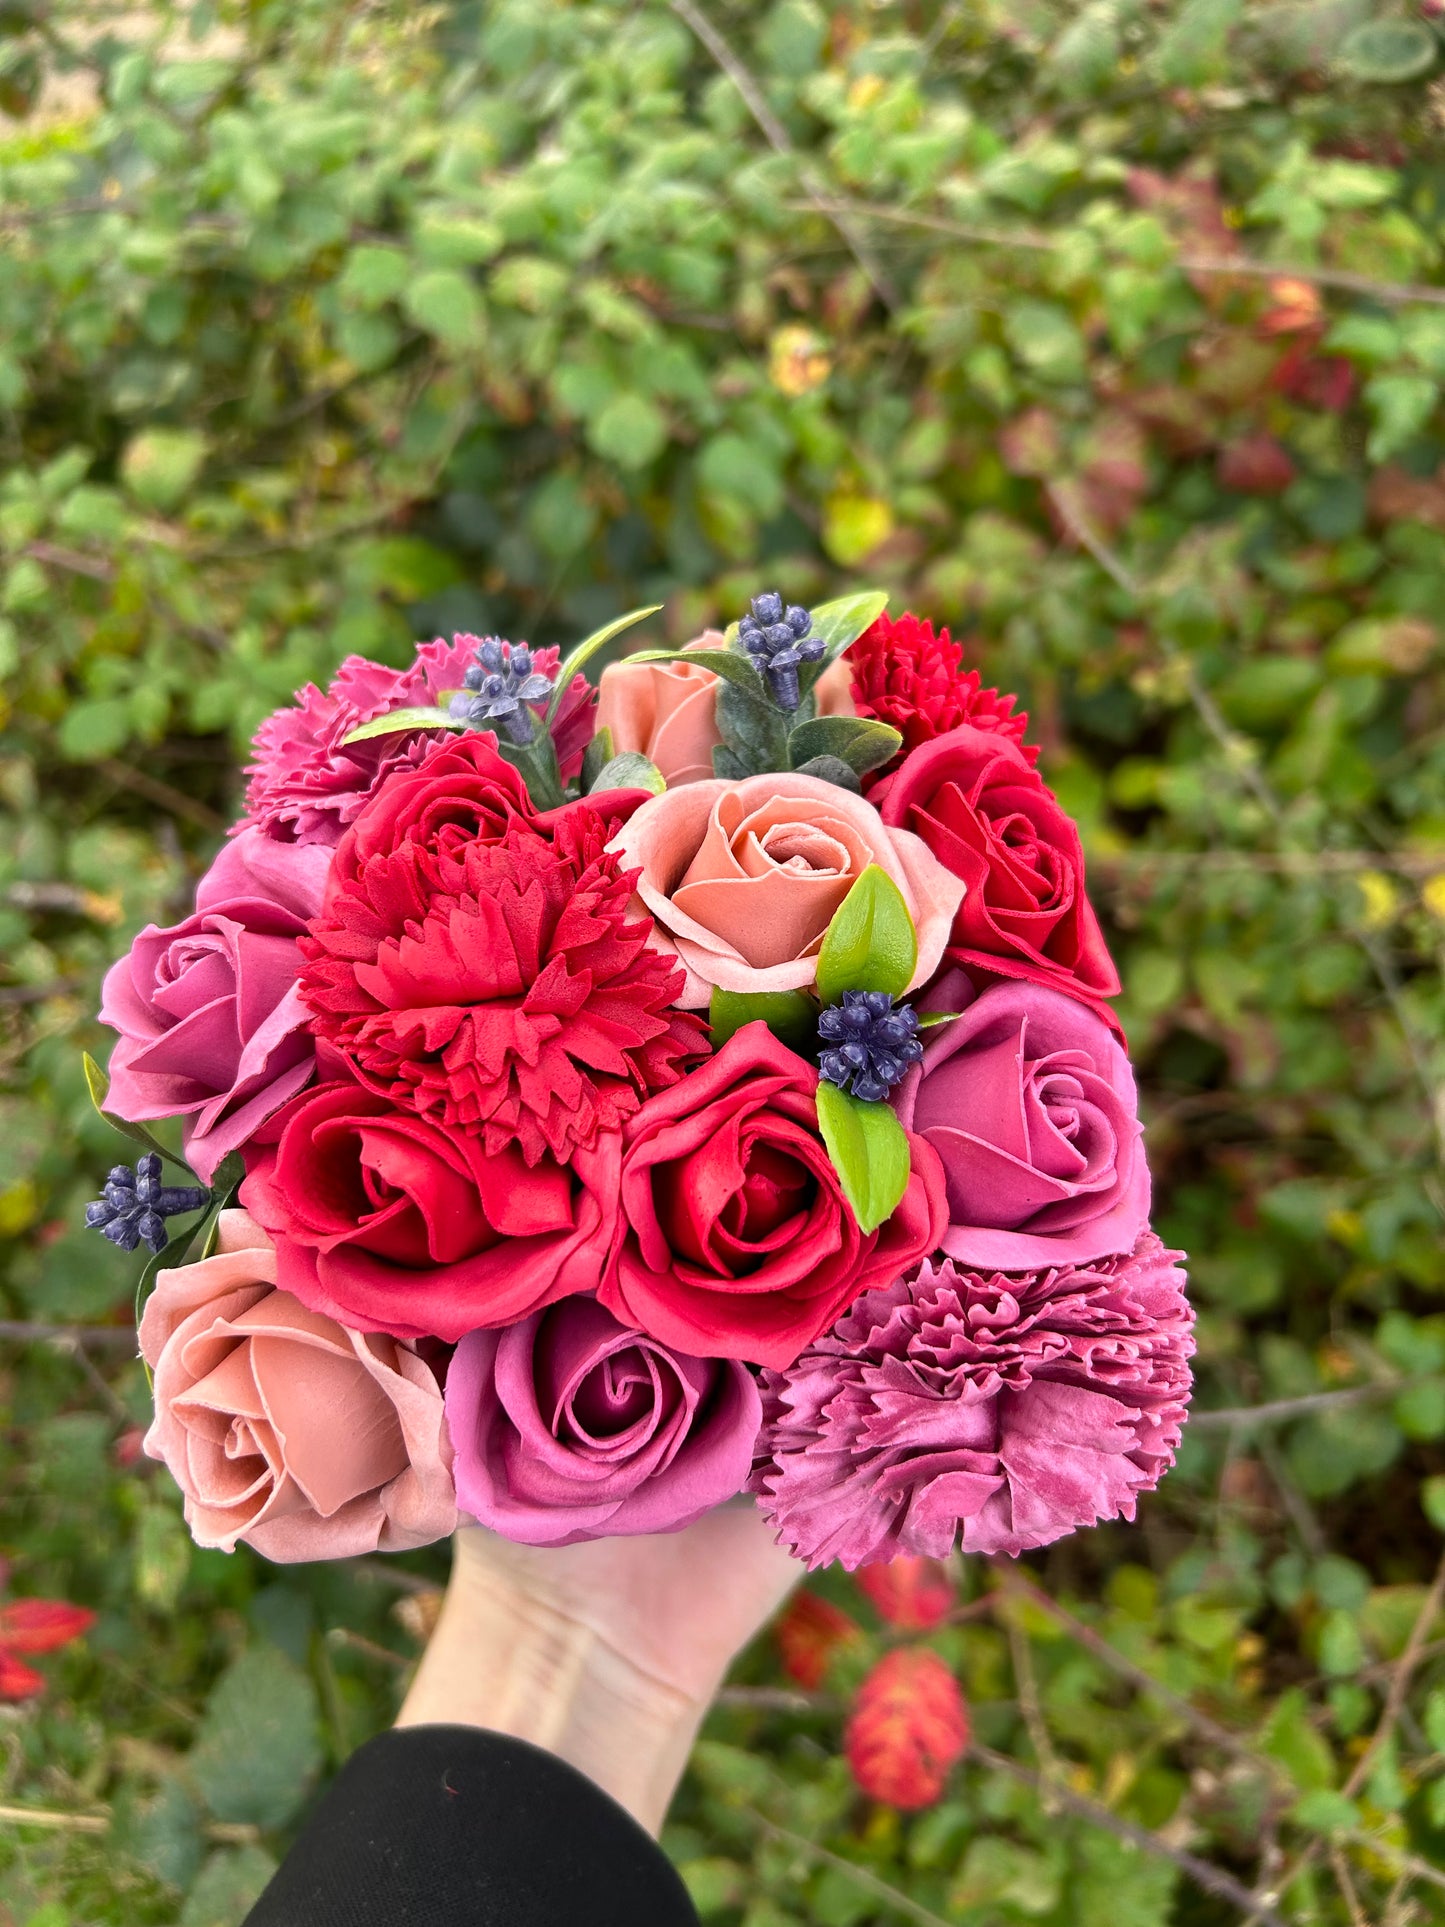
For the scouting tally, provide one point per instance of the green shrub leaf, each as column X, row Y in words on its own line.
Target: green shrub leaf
column 871, row 943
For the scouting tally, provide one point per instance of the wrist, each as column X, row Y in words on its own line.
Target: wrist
column 505, row 1659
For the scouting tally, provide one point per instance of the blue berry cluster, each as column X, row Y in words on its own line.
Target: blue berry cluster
column 868, row 1044
column 135, row 1205
column 499, row 685
column 779, row 640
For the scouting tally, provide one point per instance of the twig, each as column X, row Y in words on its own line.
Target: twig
column 372, row 1649
column 17, row 994
column 1084, row 1635
column 155, row 791
column 1033, row 1713
column 779, row 1699
column 1273, row 1411
column 862, row 1877
column 24, row 1332
column 382, row 1574
column 53, row 1820
column 68, row 899
column 51, row 555
column 1203, row 1873
column 1346, row 1886
column 776, row 135
column 1295, row 1503
column 1309, row 863
column 1033, row 241
column 1399, row 1682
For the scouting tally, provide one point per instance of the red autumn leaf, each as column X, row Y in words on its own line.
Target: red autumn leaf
column 911, row 1592
column 18, row 1681
column 907, row 1730
column 809, row 1633
column 1255, row 465
column 1030, row 443
column 41, row 1625
column 1297, row 308
column 1326, row 382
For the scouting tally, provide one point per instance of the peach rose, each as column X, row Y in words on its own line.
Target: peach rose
column 742, row 879
column 833, row 691
column 664, row 710
column 282, row 1427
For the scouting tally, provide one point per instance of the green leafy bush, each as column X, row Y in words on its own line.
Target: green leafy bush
column 1112, row 336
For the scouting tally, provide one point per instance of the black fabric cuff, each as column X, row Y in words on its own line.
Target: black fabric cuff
column 452, row 1826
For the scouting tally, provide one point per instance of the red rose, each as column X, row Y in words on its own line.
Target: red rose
column 734, row 1239
column 992, row 820
column 460, row 792
column 390, row 1223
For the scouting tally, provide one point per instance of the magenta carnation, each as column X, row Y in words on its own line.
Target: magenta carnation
column 307, row 783
column 999, row 1413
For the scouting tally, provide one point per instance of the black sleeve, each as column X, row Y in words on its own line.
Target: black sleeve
column 450, row 1826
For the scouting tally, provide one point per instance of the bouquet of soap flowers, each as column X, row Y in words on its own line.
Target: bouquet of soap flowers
column 605, row 1101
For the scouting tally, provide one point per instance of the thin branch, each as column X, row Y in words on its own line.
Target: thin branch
column 1203, row 1873
column 1307, row 863
column 1226, row 266
column 862, row 1877
column 1014, row 1580
column 22, row 1332
column 776, row 135
column 141, row 783
column 13, row 996
column 1400, row 1678
column 55, row 1820
column 1276, row 1411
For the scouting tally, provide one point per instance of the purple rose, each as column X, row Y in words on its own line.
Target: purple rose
column 212, row 1027
column 570, row 1426
column 964, row 1408
column 1029, row 1101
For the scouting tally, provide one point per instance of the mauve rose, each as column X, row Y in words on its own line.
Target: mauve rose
column 1029, row 1101
column 733, row 1239
column 388, row 1221
column 664, row 711
column 282, row 1427
column 569, row 1426
column 212, row 1026
column 742, row 879
column 976, row 801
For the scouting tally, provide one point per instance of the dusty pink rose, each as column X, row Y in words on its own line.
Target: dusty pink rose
column 1029, row 1101
column 212, row 1027
column 833, row 691
column 568, row 1426
column 283, row 1428
column 742, row 879
column 664, row 711
column 966, row 1408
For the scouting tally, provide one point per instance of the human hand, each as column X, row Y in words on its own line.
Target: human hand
column 606, row 1653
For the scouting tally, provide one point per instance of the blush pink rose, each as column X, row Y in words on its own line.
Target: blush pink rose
column 283, row 1428
column 742, row 879
column 212, row 1026
column 568, row 1426
column 664, row 711
column 1029, row 1101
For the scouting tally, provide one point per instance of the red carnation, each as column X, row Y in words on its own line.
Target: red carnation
column 500, row 987
column 905, row 675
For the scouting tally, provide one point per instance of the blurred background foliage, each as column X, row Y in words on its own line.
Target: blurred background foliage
column 1111, row 335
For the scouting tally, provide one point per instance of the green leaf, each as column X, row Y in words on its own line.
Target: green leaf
column 231, row 1881
column 832, row 769
column 1386, row 52
column 871, row 943
column 630, row 430
column 161, row 465
column 374, row 275
column 397, row 721
column 630, row 771
column 445, row 303
column 727, row 764
column 734, row 669
column 98, row 1085
column 537, row 761
column 588, row 648
column 933, row 1018
column 842, row 621
column 595, row 758
column 791, row 1016
column 854, row 740
column 869, row 1149
column 258, row 1748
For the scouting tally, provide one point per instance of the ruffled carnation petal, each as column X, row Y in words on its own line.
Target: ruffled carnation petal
column 957, row 1408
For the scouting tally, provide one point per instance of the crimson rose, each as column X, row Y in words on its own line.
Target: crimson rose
column 391, row 1223
column 990, row 818
column 734, row 1239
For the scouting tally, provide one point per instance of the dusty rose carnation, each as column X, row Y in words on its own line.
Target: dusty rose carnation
column 996, row 1413
column 307, row 784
